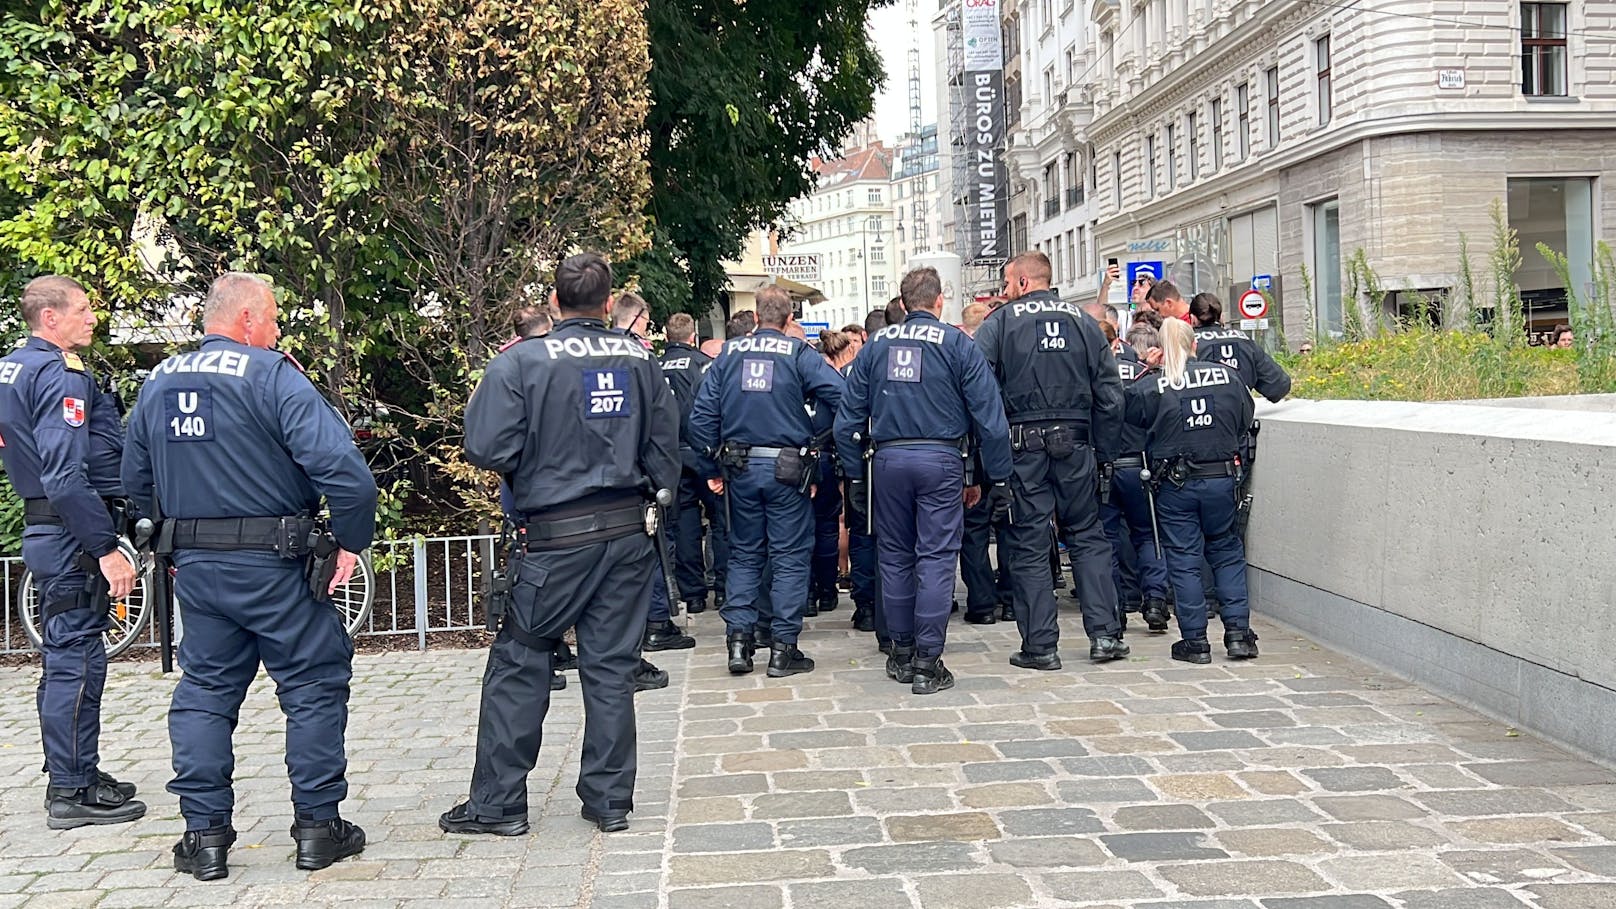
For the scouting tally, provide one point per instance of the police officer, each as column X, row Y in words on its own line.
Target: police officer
column 1196, row 411
column 237, row 448
column 1230, row 346
column 823, row 596
column 918, row 391
column 586, row 561
column 1063, row 397
column 683, row 365
column 60, row 441
column 1127, row 517
column 749, row 414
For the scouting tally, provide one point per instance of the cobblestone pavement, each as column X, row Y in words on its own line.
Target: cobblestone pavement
column 1304, row 780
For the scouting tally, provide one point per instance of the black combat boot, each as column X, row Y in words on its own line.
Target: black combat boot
column 647, row 677
column 930, row 676
column 762, row 637
column 785, row 659
column 740, row 652
column 66, row 809
column 1106, row 648
column 562, row 658
column 863, row 619
column 558, row 682
column 127, row 790
column 605, row 821
column 1192, row 650
column 980, row 618
column 900, row 665
column 1156, row 615
column 884, row 645
column 459, row 819
column 202, row 853
column 829, row 601
column 665, row 635
column 1241, row 644
column 1043, row 662
column 698, row 605
column 322, row 843
column 1007, row 612
column 812, row 609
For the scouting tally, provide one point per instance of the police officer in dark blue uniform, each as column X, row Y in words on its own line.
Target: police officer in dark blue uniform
column 750, row 415
column 1220, row 344
column 1127, row 516
column 827, row 502
column 61, row 439
column 684, row 364
column 584, row 559
column 1196, row 411
column 918, row 392
column 1063, row 398
column 237, row 448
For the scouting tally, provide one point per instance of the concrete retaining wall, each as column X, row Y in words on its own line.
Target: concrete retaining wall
column 1472, row 549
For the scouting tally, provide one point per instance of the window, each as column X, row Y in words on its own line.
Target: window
column 1172, row 157
column 878, row 255
column 1326, row 266
column 1272, row 79
column 1018, row 235
column 1071, row 256
column 1217, row 134
column 873, row 224
column 1082, row 251
column 1242, row 106
column 1055, row 254
column 1194, row 139
column 1049, row 85
column 1071, row 64
column 1150, row 167
column 1046, row 11
column 878, row 285
column 875, row 196
column 1559, row 213
column 1321, row 56
column 1543, row 49
column 1116, row 179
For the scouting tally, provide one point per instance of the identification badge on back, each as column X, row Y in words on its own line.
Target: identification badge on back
column 188, row 414
column 757, row 375
column 1197, row 413
column 606, row 394
column 904, row 363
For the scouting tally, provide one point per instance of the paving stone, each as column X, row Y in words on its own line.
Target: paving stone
column 1518, row 830
column 1470, row 898
column 1007, row 771
column 726, row 898
column 726, row 784
column 1198, row 787
column 1368, row 808
column 801, row 804
column 952, row 754
column 1502, row 866
column 912, row 858
column 1272, row 782
column 1223, row 740
column 1048, row 852
column 1043, row 748
column 1102, row 789
column 745, row 867
column 1262, row 812
column 1162, row 847
column 1469, row 803
column 1108, row 765
column 1541, row 773
column 1374, row 872
column 876, row 894
column 1005, row 795
column 1355, row 779
column 1050, row 822
column 1349, row 901
column 1242, row 878
column 826, row 739
column 764, row 761
column 888, row 799
column 1089, row 886
column 1379, row 836
column 723, row 837
column 1574, row 896
column 1162, row 817
column 1262, row 842
column 966, row 827
column 1254, row 719
column 973, row 891
column 1596, row 860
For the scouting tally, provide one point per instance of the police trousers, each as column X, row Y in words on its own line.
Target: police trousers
column 919, row 520
column 984, row 588
column 603, row 590
column 1132, row 528
column 690, row 559
column 773, row 522
column 74, row 659
column 241, row 608
column 827, row 532
column 1197, row 520
column 1062, row 489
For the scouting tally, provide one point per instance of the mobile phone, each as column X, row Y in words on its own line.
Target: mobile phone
column 1111, row 263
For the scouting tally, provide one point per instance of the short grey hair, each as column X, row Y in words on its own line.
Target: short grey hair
column 229, row 293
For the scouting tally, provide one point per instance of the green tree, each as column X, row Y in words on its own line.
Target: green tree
column 743, row 94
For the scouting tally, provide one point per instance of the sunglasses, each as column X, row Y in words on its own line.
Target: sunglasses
column 1144, row 280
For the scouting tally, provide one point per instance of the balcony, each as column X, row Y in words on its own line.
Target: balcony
column 1074, row 196
column 1051, row 208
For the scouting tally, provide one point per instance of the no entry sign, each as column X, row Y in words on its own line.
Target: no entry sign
column 1253, row 305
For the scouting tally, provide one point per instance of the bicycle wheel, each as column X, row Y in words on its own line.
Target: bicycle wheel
column 353, row 600
column 127, row 617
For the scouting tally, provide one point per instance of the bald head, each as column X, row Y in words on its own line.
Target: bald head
column 242, row 307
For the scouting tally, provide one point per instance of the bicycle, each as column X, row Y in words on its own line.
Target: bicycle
column 131, row 615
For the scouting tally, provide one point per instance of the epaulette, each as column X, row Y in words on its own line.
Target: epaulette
column 292, row 360
column 72, row 361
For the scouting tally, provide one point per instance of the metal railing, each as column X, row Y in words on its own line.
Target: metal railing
column 422, row 586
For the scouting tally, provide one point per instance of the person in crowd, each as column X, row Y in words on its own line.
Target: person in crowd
column 1231, row 347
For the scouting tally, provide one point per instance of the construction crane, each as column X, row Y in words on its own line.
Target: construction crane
column 913, row 8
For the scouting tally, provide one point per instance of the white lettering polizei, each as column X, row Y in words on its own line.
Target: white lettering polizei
column 1199, row 377
column 595, row 347
column 218, row 362
column 759, row 345
column 931, row 334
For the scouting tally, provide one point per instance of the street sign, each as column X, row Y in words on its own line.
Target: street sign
column 1262, row 282
column 1253, row 324
column 1253, row 305
column 1154, row 269
column 804, row 269
column 812, row 329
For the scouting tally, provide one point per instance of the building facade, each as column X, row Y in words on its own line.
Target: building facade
column 917, row 198
column 848, row 222
column 1309, row 145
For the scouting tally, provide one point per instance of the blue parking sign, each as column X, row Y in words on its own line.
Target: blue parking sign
column 1156, row 270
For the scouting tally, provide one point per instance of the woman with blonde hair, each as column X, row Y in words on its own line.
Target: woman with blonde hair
column 1196, row 411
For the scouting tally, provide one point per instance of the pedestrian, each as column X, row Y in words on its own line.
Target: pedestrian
column 584, row 559
column 916, row 395
column 683, row 366
column 1196, row 412
column 750, row 416
column 1139, row 295
column 632, row 316
column 244, row 417
column 824, row 596
column 895, row 312
column 1063, row 398
column 1232, row 348
column 1128, row 516
column 856, row 334
column 874, row 321
column 1562, row 337
column 1166, row 299
column 61, row 440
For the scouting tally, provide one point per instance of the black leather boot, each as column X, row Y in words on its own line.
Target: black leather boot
column 785, row 659
column 698, row 605
column 202, row 853
column 322, row 843
column 665, row 635
column 930, row 676
column 740, row 652
column 127, row 790
column 1195, row 650
column 647, row 677
column 863, row 619
column 829, row 601
column 1242, row 644
column 1043, row 662
column 459, row 819
column 562, row 658
column 1156, row 615
column 900, row 665
column 1106, row 648
column 66, row 809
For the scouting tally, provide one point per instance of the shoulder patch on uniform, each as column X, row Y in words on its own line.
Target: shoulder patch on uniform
column 72, row 361
column 73, row 411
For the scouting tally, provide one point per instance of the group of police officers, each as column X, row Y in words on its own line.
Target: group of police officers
column 927, row 440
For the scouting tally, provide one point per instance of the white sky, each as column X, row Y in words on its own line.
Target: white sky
column 889, row 28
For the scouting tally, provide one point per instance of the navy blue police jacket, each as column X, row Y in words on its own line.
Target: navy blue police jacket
column 56, row 442
column 922, row 379
column 1053, row 363
column 578, row 418
column 683, row 365
column 758, row 391
column 1233, row 349
column 235, row 431
column 1134, row 438
column 1200, row 417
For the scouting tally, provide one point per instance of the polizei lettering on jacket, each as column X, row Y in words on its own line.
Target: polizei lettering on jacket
column 1037, row 306
column 931, row 334
column 760, row 345
column 223, row 362
column 1199, row 377
column 595, row 347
